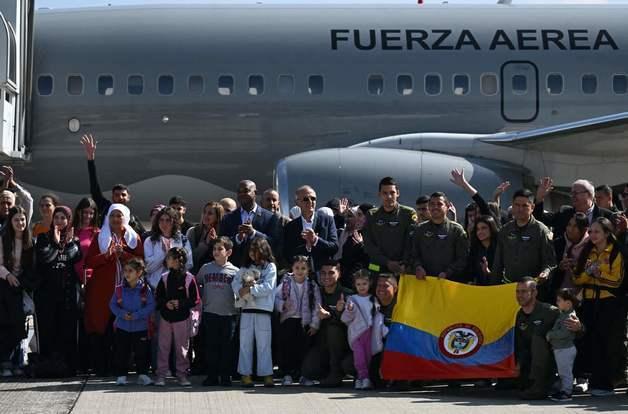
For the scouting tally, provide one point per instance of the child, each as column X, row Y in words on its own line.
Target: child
column 562, row 341
column 219, row 313
column 297, row 299
column 177, row 295
column 255, row 321
column 366, row 327
column 132, row 304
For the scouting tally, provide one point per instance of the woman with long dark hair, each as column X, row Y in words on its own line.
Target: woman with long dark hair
column 47, row 204
column 56, row 296
column 600, row 273
column 16, row 274
column 482, row 251
column 203, row 234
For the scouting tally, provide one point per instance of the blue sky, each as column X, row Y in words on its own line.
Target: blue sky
column 82, row 3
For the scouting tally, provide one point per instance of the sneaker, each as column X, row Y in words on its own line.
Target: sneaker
column 581, row 386
column 247, row 381
column 211, row 382
column 160, row 382
column 306, row 382
column 144, row 380
column 268, row 381
column 225, row 381
column 287, row 380
column 560, row 397
column 6, row 373
column 596, row 392
column 366, row 384
column 184, row 381
column 358, row 384
column 121, row 380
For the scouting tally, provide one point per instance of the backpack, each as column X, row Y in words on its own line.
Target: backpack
column 197, row 310
column 143, row 298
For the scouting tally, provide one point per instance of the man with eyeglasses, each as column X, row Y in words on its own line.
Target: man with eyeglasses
column 582, row 201
column 387, row 230
column 313, row 234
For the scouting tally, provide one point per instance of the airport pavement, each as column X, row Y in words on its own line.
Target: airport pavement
column 102, row 396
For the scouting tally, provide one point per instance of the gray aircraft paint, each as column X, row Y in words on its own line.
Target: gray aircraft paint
column 220, row 139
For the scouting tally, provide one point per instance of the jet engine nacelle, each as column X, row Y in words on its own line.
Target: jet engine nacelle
column 355, row 173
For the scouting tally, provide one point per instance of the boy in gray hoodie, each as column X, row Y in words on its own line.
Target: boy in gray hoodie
column 562, row 341
column 219, row 313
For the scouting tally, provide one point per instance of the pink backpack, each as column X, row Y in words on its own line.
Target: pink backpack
column 197, row 310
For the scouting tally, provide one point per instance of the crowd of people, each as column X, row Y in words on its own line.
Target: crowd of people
column 248, row 289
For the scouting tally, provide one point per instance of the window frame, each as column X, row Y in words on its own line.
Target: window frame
column 412, row 83
column 562, row 80
column 294, row 84
column 174, row 84
column 308, row 88
column 487, row 74
column 625, row 75
column 198, row 75
column 516, row 91
column 141, row 76
column 233, row 84
column 597, row 83
column 67, row 84
column 248, row 84
column 453, row 83
column 52, row 78
column 368, row 83
column 440, row 80
column 113, row 83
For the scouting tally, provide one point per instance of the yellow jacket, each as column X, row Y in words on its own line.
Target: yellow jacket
column 611, row 275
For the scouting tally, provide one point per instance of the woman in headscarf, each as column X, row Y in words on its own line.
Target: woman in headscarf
column 56, row 296
column 116, row 243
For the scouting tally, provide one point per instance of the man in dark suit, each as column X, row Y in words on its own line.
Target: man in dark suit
column 582, row 201
column 313, row 234
column 247, row 223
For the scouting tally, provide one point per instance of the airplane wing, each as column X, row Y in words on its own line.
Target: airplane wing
column 605, row 136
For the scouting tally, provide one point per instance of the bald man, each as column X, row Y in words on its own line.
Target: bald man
column 248, row 222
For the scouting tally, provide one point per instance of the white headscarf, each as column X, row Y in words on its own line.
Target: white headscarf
column 130, row 236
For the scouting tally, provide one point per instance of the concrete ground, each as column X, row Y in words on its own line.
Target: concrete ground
column 102, row 396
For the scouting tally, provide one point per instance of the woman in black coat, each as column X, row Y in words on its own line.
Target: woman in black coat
column 16, row 274
column 482, row 252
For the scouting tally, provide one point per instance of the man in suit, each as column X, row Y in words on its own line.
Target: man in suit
column 247, row 223
column 313, row 234
column 582, row 201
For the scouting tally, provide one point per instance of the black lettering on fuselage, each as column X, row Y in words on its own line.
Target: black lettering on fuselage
column 438, row 43
column 360, row 46
column 604, row 38
column 467, row 38
column 416, row 36
column 525, row 38
column 335, row 37
column 390, row 36
column 552, row 36
column 501, row 39
column 574, row 38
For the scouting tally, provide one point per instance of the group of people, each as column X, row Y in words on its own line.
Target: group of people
column 248, row 289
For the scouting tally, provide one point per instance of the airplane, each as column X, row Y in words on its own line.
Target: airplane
column 190, row 99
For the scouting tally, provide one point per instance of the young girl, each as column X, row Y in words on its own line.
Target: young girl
column 16, row 274
column 255, row 321
column 297, row 299
column 366, row 327
column 132, row 304
column 177, row 294
column 55, row 298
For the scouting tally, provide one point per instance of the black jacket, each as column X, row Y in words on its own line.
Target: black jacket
column 326, row 247
column 558, row 221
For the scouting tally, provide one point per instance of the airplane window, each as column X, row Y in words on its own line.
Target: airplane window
column 404, row 85
column 488, row 84
column 196, row 84
column 105, row 85
column 315, row 85
column 620, row 84
column 376, row 84
column 225, row 85
column 555, row 84
column 256, row 85
column 461, row 85
column 519, row 84
column 135, row 85
column 44, row 85
column 75, row 85
column 286, row 84
column 432, row 84
column 589, row 84
column 166, row 85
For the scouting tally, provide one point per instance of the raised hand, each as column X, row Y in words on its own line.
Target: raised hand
column 502, row 188
column 340, row 305
column 89, row 143
column 457, row 177
column 546, row 184
column 344, row 205
column 211, row 235
column 7, row 174
column 56, row 234
column 484, row 266
column 322, row 313
column 350, row 306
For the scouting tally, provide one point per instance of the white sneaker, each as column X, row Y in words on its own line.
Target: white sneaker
column 366, row 384
column 306, row 382
column 161, row 382
column 6, row 373
column 358, row 384
column 184, row 382
column 581, row 386
column 144, row 380
column 287, row 380
column 121, row 380
column 602, row 393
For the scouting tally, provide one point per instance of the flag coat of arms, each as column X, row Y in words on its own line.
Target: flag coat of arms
column 447, row 330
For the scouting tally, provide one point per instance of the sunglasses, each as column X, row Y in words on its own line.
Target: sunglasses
column 306, row 199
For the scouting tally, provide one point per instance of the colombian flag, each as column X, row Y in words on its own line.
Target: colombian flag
column 447, row 330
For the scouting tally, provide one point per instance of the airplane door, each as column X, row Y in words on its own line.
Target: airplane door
column 520, row 91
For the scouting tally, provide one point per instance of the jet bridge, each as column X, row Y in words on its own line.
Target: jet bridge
column 16, row 41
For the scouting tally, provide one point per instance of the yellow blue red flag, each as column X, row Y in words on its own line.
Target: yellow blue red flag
column 447, row 330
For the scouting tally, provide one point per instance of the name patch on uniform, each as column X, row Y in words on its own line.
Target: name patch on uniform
column 428, row 234
column 525, row 238
column 538, row 322
column 512, row 236
column 442, row 236
column 393, row 223
column 380, row 222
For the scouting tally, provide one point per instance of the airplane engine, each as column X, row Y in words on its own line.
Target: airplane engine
column 355, row 173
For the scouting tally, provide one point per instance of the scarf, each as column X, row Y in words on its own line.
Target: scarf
column 67, row 212
column 106, row 237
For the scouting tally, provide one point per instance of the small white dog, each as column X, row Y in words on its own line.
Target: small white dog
column 249, row 275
